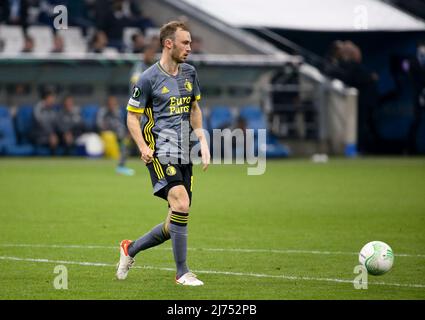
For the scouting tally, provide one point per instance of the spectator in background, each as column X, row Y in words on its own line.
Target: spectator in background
column 46, row 14
column 45, row 121
column 4, row 11
column 58, row 44
column 416, row 69
column 98, row 42
column 138, row 19
column 333, row 60
column 70, row 124
column 365, row 82
column 28, row 44
column 101, row 10
column 138, row 43
column 347, row 66
column 110, row 118
column 15, row 12
column 78, row 14
column 148, row 59
column 197, row 45
column 114, row 22
column 156, row 43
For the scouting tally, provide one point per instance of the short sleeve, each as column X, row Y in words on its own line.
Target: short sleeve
column 196, row 88
column 140, row 95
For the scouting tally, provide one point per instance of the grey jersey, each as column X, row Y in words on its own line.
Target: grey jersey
column 166, row 101
column 46, row 119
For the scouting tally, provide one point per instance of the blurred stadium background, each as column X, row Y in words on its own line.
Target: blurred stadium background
column 331, row 77
column 343, row 77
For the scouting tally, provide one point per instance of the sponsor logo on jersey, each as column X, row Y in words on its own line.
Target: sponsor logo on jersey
column 180, row 105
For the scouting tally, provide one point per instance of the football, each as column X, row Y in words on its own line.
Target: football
column 377, row 257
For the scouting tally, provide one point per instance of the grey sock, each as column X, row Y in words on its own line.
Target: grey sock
column 151, row 239
column 178, row 233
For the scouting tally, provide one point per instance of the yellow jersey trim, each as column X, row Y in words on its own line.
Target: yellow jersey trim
column 148, row 129
column 150, row 139
column 158, row 168
column 136, row 110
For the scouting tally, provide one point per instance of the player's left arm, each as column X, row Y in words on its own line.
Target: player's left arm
column 196, row 123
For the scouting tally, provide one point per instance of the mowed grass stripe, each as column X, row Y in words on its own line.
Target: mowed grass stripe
column 237, row 250
column 227, row 273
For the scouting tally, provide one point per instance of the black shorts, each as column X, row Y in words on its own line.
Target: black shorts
column 164, row 177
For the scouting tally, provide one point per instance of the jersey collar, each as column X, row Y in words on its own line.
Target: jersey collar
column 165, row 72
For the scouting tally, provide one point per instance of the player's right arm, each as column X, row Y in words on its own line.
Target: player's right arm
column 135, row 109
column 133, row 124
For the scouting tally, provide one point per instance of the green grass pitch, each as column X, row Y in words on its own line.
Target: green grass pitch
column 292, row 233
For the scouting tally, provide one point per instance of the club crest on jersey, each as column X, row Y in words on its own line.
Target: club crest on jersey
column 188, row 85
column 136, row 92
column 171, row 171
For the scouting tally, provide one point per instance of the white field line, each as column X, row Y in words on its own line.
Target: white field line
column 241, row 250
column 241, row 274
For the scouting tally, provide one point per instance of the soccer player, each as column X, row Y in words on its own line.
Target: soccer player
column 46, row 121
column 168, row 94
column 109, row 119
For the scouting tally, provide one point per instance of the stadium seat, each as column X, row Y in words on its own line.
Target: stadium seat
column 4, row 139
column 13, row 37
column 8, row 141
column 73, row 39
column 221, row 117
column 89, row 113
column 253, row 117
column 274, row 148
column 110, row 52
column 150, row 33
column 254, row 120
column 43, row 38
column 24, row 122
column 127, row 34
column 4, row 112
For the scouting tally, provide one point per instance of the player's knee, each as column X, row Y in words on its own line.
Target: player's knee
column 179, row 200
column 182, row 205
